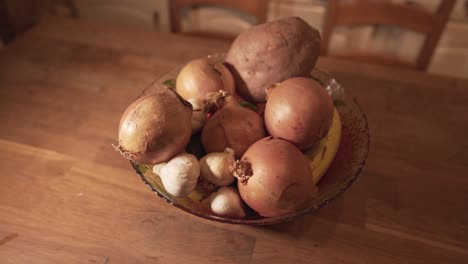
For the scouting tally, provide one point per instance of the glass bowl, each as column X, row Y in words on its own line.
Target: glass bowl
column 345, row 168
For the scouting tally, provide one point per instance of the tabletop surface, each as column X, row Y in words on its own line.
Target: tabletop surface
column 67, row 197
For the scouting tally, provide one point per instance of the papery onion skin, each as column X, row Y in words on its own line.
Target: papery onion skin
column 155, row 128
column 199, row 78
column 298, row 110
column 232, row 126
column 281, row 179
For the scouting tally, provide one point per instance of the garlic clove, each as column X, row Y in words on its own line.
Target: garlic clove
column 179, row 176
column 215, row 167
column 227, row 202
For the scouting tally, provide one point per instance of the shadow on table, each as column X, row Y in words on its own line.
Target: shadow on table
column 318, row 226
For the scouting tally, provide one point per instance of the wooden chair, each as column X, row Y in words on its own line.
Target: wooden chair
column 365, row 12
column 17, row 16
column 254, row 8
column 7, row 28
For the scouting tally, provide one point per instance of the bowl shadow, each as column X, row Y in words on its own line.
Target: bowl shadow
column 318, row 226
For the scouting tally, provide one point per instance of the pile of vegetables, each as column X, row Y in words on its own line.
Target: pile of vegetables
column 256, row 160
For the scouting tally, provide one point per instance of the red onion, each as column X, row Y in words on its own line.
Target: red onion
column 298, row 110
column 274, row 178
column 155, row 128
column 232, row 126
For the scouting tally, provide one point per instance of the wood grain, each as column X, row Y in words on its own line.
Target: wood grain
column 67, row 197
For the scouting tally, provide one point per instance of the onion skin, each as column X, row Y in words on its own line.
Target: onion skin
column 281, row 178
column 199, row 77
column 155, row 128
column 298, row 110
column 232, row 126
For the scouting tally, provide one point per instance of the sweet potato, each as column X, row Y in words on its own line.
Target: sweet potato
column 271, row 53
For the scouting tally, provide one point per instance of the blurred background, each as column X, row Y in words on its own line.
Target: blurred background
column 449, row 57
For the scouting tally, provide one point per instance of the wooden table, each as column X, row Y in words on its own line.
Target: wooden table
column 67, row 197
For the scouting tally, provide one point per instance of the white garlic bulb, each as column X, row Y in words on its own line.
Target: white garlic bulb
column 158, row 167
column 179, row 176
column 227, row 202
column 215, row 167
column 198, row 114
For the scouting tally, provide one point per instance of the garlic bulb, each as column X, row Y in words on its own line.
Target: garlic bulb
column 198, row 114
column 158, row 167
column 215, row 167
column 179, row 176
column 227, row 202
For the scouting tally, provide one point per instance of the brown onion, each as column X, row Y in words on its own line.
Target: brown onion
column 155, row 128
column 199, row 78
column 298, row 110
column 275, row 178
column 232, row 126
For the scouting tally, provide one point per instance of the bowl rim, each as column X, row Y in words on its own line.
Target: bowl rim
column 274, row 220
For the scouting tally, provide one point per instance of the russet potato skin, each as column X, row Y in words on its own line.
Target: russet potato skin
column 276, row 189
column 300, row 111
column 270, row 53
